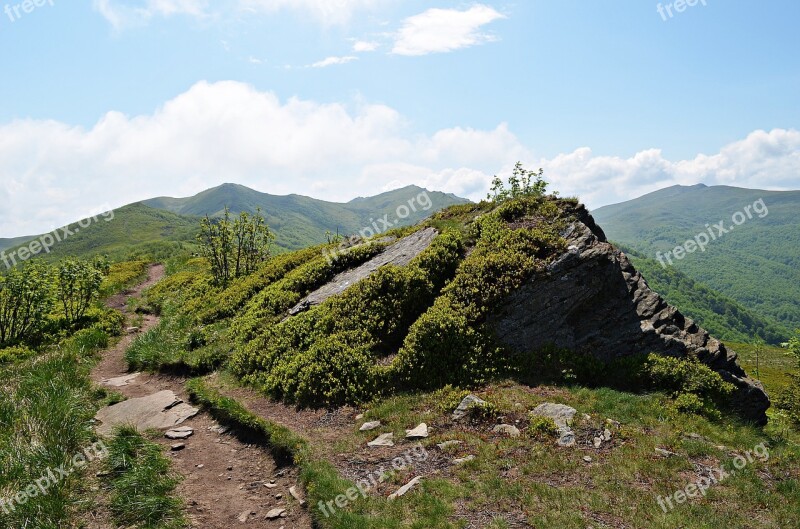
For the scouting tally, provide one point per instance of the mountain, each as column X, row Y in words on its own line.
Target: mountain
column 133, row 231
column 751, row 242
column 10, row 243
column 155, row 228
column 300, row 221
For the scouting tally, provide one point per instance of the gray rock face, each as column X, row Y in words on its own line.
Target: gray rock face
column 593, row 300
column 561, row 414
column 399, row 254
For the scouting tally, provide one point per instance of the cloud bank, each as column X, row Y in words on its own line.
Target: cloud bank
column 52, row 173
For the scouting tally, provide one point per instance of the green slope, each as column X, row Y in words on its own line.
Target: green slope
column 135, row 230
column 721, row 316
column 10, row 243
column 302, row 221
column 757, row 263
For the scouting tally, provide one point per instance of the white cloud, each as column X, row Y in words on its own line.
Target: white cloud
column 52, row 173
column 361, row 46
column 332, row 61
column 444, row 30
column 328, row 12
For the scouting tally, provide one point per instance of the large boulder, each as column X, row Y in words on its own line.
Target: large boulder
column 591, row 299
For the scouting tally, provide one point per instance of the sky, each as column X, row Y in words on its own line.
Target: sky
column 108, row 102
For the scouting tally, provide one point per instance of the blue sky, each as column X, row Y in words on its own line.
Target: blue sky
column 107, row 102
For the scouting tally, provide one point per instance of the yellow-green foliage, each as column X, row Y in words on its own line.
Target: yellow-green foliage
column 542, row 428
column 328, row 354
column 695, row 386
column 179, row 287
column 449, row 343
column 123, row 275
column 15, row 354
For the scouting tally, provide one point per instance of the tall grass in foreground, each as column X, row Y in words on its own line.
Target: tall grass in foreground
column 46, row 407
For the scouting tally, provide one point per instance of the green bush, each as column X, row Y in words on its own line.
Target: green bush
column 542, row 428
column 10, row 355
column 695, row 387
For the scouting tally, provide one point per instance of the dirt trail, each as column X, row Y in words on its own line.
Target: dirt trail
column 227, row 483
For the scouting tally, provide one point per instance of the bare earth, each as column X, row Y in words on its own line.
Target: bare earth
column 224, row 480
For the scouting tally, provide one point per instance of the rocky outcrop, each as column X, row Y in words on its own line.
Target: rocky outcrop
column 591, row 299
column 398, row 254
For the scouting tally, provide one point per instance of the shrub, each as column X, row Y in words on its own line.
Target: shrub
column 448, row 398
column 542, row 428
column 694, row 386
column 10, row 355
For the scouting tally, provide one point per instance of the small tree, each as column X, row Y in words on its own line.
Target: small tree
column 522, row 183
column 26, row 298
column 235, row 248
column 78, row 285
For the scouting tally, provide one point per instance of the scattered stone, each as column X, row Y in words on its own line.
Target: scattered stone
column 274, row 514
column 587, row 459
column 120, row 382
column 420, row 432
column 587, row 417
column 561, row 414
column 279, row 496
column 297, row 495
column 448, row 444
column 405, row 488
column 270, row 485
column 665, row 453
column 132, row 330
column 507, row 429
column 598, row 441
column 606, row 435
column 386, row 439
column 369, row 426
column 244, row 516
column 218, row 429
column 103, row 473
column 462, row 460
column 567, row 439
column 466, row 404
column 359, row 416
column 177, row 447
column 199, row 466
column 183, row 432
column 159, row 411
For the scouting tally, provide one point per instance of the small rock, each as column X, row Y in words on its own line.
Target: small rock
column 359, row 416
column 244, row 516
column 183, row 432
column 132, row 330
column 507, row 429
column 665, row 453
column 199, row 466
column 598, row 441
column 694, row 436
column 420, row 432
column 567, row 439
column 279, row 496
column 177, row 447
column 386, row 439
column 405, row 488
column 606, row 435
column 463, row 460
column 297, row 495
column 369, row 426
column 463, row 408
column 448, row 444
column 587, row 459
column 561, row 414
column 274, row 514
column 270, row 485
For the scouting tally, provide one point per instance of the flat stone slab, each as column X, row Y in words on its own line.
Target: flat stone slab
column 398, row 254
column 160, row 411
column 420, row 432
column 183, row 432
column 369, row 426
column 120, row 382
column 405, row 488
column 386, row 439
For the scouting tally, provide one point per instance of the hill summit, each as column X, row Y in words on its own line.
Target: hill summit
column 527, row 288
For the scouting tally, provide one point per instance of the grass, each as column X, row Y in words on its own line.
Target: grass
column 124, row 275
column 141, row 483
column 773, row 367
column 46, row 405
column 533, row 480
